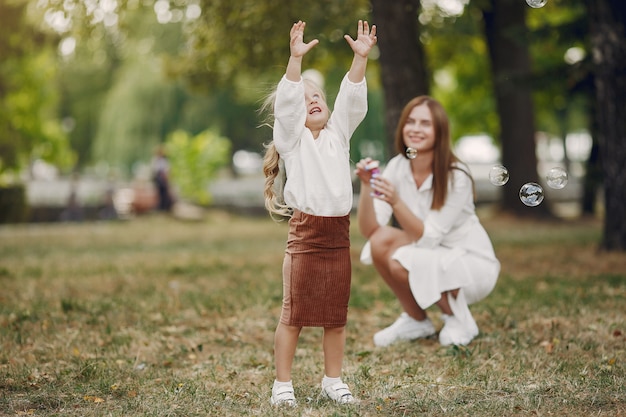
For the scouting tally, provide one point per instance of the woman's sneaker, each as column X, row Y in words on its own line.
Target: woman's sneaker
column 283, row 396
column 339, row 393
column 404, row 328
column 456, row 331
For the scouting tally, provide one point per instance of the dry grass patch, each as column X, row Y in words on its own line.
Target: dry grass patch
column 157, row 317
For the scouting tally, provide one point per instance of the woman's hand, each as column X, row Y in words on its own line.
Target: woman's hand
column 381, row 188
column 297, row 46
column 385, row 191
column 365, row 40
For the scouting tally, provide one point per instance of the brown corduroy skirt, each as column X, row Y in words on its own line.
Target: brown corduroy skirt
column 316, row 271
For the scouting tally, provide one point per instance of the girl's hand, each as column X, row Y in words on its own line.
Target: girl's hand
column 365, row 41
column 297, row 46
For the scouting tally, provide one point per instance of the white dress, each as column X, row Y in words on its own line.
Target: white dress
column 454, row 251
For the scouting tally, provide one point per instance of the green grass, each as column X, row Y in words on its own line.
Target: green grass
column 158, row 317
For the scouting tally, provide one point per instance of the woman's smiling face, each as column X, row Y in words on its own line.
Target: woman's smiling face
column 419, row 130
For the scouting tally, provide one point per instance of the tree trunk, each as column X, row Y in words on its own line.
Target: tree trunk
column 593, row 179
column 592, row 183
column 402, row 59
column 506, row 34
column 608, row 31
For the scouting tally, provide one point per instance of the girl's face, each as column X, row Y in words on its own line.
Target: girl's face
column 316, row 107
column 419, row 130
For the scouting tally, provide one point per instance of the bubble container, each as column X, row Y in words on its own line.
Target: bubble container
column 374, row 169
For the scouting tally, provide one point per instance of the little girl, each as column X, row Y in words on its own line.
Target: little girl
column 312, row 147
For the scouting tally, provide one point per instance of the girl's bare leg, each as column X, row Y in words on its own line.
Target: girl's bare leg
column 334, row 343
column 285, row 343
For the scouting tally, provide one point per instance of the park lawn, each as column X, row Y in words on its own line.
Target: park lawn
column 158, row 317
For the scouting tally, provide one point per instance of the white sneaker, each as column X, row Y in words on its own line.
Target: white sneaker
column 339, row 393
column 283, row 396
column 456, row 331
column 404, row 328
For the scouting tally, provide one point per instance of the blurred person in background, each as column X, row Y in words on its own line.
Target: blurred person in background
column 161, row 179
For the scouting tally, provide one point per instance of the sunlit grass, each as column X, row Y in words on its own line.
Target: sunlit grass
column 159, row 317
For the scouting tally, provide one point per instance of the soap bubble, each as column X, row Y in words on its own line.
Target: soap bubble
column 411, row 153
column 531, row 194
column 556, row 178
column 536, row 4
column 499, row 175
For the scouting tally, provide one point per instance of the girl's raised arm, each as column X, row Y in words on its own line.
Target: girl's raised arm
column 365, row 41
column 297, row 48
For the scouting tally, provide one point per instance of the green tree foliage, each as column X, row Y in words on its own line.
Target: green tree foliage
column 123, row 96
column 194, row 160
column 459, row 65
column 251, row 37
column 136, row 114
column 122, row 86
column 140, row 104
column 562, row 82
column 86, row 69
column 28, row 97
column 237, row 51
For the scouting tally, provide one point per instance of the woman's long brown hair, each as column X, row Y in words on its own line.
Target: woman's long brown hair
column 444, row 160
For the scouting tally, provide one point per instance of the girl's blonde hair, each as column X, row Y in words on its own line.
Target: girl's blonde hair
column 273, row 165
column 275, row 178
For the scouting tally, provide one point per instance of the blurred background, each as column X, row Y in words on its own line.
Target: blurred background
column 97, row 95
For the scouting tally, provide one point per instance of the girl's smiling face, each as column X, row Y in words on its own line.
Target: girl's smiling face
column 316, row 107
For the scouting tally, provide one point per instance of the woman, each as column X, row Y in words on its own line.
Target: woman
column 440, row 253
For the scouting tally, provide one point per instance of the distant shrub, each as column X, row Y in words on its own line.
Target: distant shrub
column 13, row 205
column 194, row 161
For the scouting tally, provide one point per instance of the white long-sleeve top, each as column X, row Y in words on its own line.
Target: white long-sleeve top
column 318, row 170
column 451, row 234
column 454, row 226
